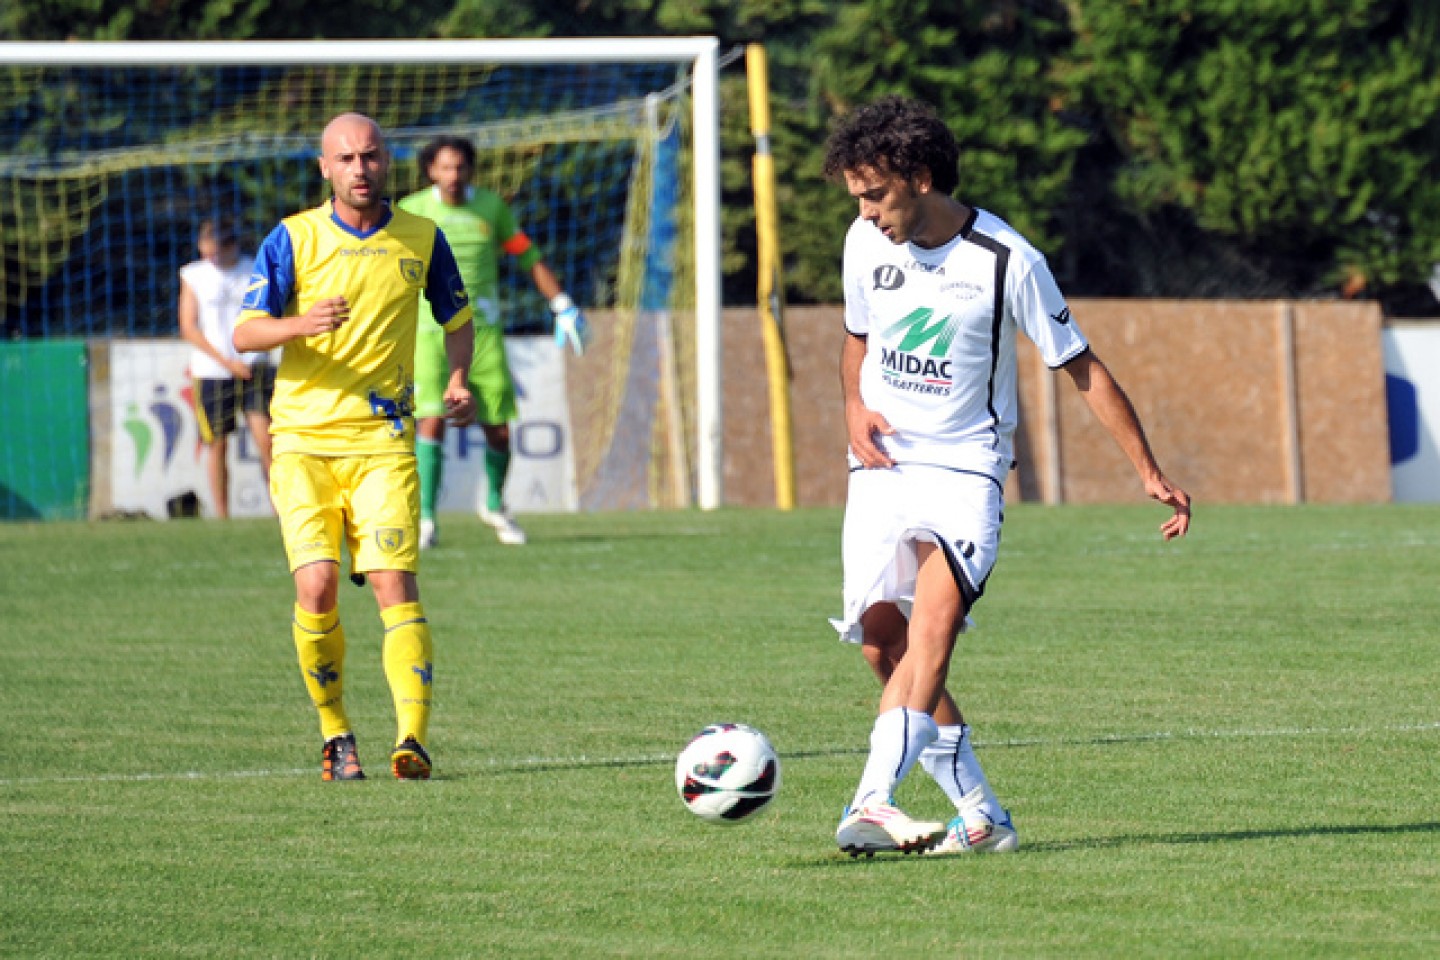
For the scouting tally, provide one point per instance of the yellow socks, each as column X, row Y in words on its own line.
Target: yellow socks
column 320, row 644
column 407, row 655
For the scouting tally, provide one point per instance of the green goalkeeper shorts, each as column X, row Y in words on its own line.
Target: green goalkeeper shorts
column 490, row 379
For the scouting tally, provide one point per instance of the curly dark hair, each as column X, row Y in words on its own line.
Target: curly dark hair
column 898, row 135
column 431, row 150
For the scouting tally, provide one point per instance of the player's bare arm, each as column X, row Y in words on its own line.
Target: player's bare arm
column 459, row 402
column 266, row 333
column 861, row 423
column 1117, row 415
column 546, row 283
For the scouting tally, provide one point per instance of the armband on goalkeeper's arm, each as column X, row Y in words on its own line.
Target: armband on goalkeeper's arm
column 570, row 323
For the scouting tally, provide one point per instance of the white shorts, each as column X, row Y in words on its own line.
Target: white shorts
column 887, row 512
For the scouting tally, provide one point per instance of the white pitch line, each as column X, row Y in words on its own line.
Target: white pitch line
column 526, row 764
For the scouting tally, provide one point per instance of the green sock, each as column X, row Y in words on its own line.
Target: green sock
column 497, row 465
column 430, row 462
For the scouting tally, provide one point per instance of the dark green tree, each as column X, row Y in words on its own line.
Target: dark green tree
column 987, row 66
column 786, row 27
column 1260, row 147
column 1166, row 147
column 34, row 20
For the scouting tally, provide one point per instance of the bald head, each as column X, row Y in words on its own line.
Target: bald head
column 353, row 157
column 345, row 125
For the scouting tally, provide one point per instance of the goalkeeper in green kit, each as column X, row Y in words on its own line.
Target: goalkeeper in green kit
column 478, row 226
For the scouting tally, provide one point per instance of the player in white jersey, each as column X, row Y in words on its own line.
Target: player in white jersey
column 227, row 383
column 935, row 293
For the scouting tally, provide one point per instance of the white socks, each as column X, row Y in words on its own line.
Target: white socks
column 952, row 762
column 898, row 739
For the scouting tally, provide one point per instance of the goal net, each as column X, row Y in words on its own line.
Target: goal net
column 112, row 154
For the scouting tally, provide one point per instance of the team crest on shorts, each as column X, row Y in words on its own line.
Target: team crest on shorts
column 412, row 270
column 389, row 539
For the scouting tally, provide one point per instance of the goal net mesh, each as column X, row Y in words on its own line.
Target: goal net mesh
column 106, row 171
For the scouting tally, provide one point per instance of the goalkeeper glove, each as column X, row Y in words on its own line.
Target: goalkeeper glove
column 569, row 324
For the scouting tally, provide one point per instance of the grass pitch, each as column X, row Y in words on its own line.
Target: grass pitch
column 1222, row 747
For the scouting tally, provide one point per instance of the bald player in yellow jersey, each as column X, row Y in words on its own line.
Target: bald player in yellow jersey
column 339, row 288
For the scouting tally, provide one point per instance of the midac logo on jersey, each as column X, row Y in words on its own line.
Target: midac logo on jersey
column 918, row 330
column 412, row 270
column 932, row 374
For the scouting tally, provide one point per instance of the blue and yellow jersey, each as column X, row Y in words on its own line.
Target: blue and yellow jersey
column 352, row 391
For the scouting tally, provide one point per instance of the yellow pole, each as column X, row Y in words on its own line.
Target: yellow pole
column 768, row 293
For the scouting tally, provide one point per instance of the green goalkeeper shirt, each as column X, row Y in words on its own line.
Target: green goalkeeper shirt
column 478, row 231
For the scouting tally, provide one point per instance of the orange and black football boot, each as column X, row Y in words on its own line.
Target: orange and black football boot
column 410, row 761
column 339, row 760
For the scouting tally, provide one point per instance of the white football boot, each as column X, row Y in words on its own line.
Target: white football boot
column 975, row 831
column 429, row 535
column 878, row 827
column 506, row 530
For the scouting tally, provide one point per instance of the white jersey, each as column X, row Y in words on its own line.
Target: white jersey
column 940, row 338
column 218, row 294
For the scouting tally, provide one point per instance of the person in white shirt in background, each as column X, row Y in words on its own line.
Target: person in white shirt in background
column 227, row 384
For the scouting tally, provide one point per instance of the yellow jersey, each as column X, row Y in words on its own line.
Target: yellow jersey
column 352, row 391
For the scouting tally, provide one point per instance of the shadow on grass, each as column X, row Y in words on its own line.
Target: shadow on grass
column 837, row 859
column 1232, row 836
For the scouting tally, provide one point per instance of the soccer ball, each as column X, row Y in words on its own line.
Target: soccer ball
column 727, row 772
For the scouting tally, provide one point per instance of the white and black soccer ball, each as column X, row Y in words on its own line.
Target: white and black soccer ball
column 727, row 772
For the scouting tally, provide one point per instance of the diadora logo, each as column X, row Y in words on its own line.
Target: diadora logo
column 426, row 673
column 918, row 330
column 889, row 278
column 363, row 251
column 324, row 674
column 1063, row 317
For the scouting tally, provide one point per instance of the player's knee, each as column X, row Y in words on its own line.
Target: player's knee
column 882, row 654
column 317, row 586
column 393, row 587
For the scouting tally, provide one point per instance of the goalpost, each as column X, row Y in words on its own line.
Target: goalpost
column 607, row 149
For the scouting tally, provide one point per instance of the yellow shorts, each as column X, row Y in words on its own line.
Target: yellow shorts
column 372, row 503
